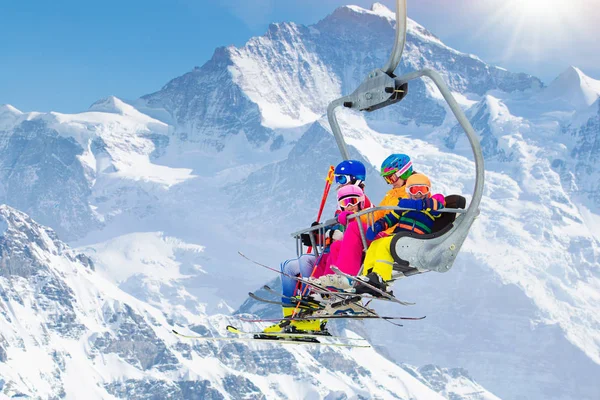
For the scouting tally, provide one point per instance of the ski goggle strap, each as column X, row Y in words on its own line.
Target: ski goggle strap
column 343, row 179
column 416, row 189
column 349, row 201
column 347, row 179
column 402, row 173
column 390, row 170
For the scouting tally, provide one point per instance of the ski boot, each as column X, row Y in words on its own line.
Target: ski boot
column 345, row 307
column 309, row 302
column 374, row 279
column 333, row 282
column 310, row 326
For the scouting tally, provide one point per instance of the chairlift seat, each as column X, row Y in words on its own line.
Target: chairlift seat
column 442, row 225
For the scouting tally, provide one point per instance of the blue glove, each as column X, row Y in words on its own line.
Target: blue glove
column 430, row 204
column 372, row 232
column 410, row 203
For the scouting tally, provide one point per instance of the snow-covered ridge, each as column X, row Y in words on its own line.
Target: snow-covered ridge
column 412, row 28
column 108, row 148
column 9, row 116
column 113, row 104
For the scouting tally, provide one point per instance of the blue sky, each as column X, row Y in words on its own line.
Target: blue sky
column 64, row 55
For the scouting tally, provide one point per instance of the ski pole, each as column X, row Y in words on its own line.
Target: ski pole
column 328, row 182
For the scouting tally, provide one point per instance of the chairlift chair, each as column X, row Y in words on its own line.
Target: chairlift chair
column 412, row 253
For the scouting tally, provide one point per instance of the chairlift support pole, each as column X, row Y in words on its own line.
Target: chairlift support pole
column 379, row 89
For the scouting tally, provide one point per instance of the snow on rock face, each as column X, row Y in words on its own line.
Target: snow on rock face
column 63, row 168
column 9, row 115
column 494, row 124
column 232, row 105
column 451, row 383
column 207, row 106
column 283, row 75
column 579, row 168
column 41, row 174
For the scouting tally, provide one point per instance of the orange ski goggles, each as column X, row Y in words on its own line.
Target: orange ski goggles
column 416, row 189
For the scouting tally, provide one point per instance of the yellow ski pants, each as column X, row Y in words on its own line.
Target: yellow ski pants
column 379, row 258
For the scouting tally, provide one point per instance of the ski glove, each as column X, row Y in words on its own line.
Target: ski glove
column 305, row 237
column 412, row 204
column 440, row 198
column 374, row 230
column 342, row 217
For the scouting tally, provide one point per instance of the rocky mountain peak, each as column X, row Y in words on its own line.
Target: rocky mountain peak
column 112, row 105
column 27, row 247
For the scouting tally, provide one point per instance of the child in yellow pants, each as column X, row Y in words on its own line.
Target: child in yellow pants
column 424, row 211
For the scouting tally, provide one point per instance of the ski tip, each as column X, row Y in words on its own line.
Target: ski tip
column 232, row 329
column 174, row 331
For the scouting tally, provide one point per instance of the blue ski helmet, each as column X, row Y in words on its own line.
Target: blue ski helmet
column 397, row 164
column 350, row 171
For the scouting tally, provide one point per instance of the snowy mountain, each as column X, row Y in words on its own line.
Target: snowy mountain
column 573, row 88
column 68, row 332
column 161, row 194
column 64, row 169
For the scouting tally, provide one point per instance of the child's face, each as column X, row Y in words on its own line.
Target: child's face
column 398, row 184
column 417, row 196
column 352, row 208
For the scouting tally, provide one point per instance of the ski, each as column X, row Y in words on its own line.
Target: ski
column 325, row 334
column 311, row 310
column 280, row 303
column 279, row 294
column 361, row 282
column 322, row 289
column 268, row 339
column 314, row 305
column 316, row 287
column 364, row 296
column 338, row 316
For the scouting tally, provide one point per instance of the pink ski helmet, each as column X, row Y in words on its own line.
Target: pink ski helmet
column 350, row 194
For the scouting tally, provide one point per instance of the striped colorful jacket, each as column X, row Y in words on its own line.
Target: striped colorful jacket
column 420, row 222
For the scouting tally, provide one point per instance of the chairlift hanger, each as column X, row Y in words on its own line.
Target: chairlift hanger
column 381, row 88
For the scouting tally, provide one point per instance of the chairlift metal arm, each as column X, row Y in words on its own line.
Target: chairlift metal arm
column 335, row 126
column 379, row 89
column 464, row 123
column 401, row 18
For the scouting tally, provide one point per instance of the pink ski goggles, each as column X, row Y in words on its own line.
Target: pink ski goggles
column 349, row 201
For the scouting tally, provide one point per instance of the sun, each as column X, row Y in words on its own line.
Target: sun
column 530, row 28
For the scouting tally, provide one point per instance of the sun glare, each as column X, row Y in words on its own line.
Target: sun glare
column 541, row 8
column 530, row 28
